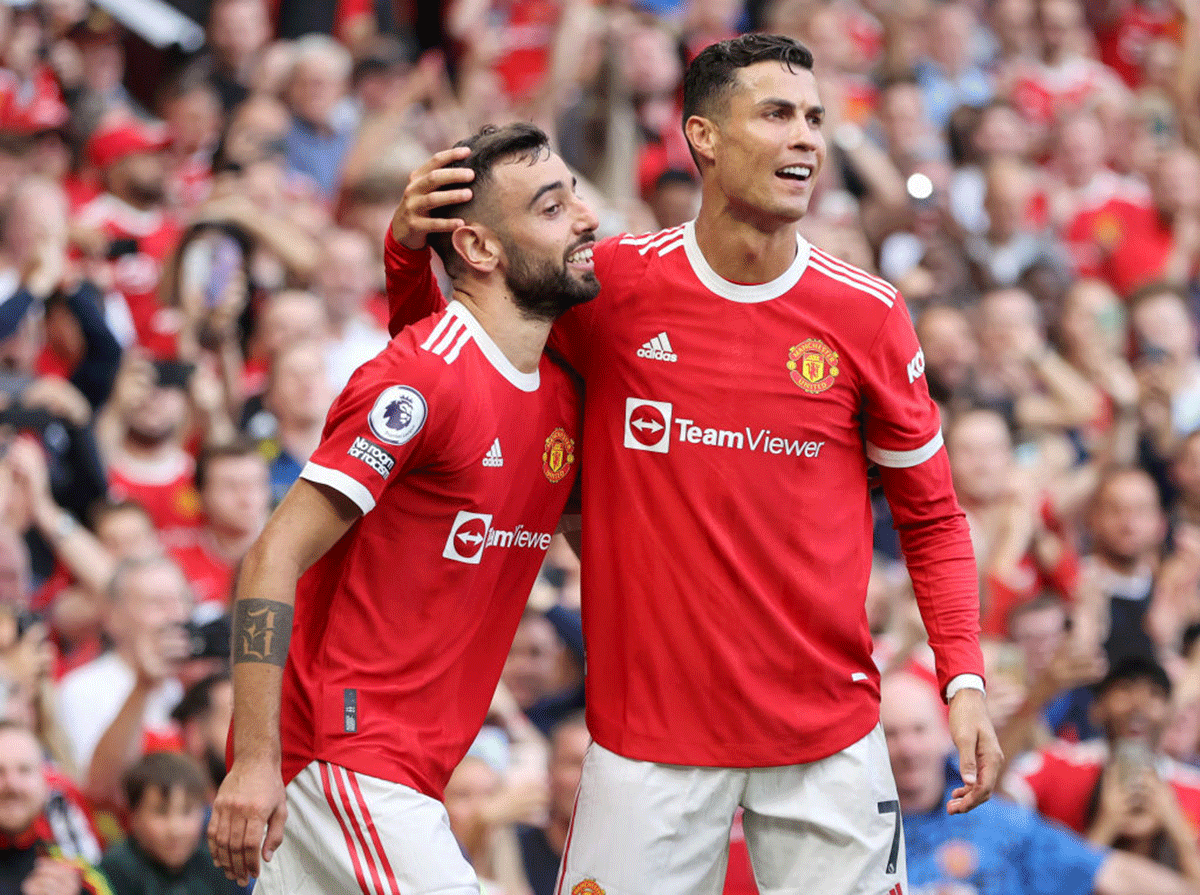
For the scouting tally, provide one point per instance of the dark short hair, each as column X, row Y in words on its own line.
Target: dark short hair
column 1135, row 668
column 489, row 147
column 231, row 450
column 164, row 771
column 708, row 79
column 197, row 701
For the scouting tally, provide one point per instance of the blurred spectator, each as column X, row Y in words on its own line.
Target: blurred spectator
column 1128, row 531
column 1126, row 30
column 119, row 705
column 193, row 115
column 127, row 232
column 204, row 715
column 46, row 844
column 235, row 500
column 284, row 319
column 317, row 90
column 98, row 40
column 30, row 99
column 166, row 851
column 1167, row 365
column 675, row 199
column 298, row 397
column 346, row 282
column 238, row 31
column 542, row 846
column 534, row 668
column 998, row 848
column 141, row 432
column 951, row 354
column 1120, row 790
column 1021, row 375
column 949, row 75
column 480, row 817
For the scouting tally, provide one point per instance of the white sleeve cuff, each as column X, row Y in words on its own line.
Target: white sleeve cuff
column 341, row 482
column 904, row 459
column 964, row 682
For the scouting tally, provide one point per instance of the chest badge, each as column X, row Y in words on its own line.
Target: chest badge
column 558, row 456
column 812, row 365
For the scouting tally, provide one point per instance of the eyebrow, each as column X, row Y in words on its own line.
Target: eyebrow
column 549, row 188
column 791, row 106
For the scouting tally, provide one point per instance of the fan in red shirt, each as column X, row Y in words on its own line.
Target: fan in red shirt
column 739, row 384
column 137, row 233
column 1062, row 780
column 1127, row 29
column 408, row 549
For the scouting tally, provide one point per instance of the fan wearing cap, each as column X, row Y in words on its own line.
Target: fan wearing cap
column 1106, row 788
column 130, row 228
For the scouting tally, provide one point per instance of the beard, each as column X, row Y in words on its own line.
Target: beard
column 542, row 291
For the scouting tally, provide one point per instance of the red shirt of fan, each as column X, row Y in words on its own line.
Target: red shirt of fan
column 726, row 518
column 210, row 576
column 1124, row 42
column 1059, row 781
column 169, row 496
column 1043, row 93
column 136, row 274
column 461, row 465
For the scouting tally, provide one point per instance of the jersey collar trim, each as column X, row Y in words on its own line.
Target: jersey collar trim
column 526, row 382
column 740, row 292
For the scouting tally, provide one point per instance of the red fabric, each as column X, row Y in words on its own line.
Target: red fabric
column 109, row 144
column 1059, row 781
column 210, row 576
column 1120, row 239
column 736, row 574
column 528, row 31
column 136, row 276
column 414, row 610
column 29, row 108
column 1124, row 42
column 1043, row 94
column 171, row 501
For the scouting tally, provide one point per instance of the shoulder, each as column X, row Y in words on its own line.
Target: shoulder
column 853, row 283
column 629, row 254
column 1062, row 756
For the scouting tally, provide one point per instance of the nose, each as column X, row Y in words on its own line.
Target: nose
column 586, row 219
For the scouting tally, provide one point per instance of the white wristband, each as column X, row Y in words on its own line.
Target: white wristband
column 964, row 682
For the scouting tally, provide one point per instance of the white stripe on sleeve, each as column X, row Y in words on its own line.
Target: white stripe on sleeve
column 904, row 459
column 341, row 483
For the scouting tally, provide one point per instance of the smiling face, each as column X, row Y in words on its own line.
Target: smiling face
column 546, row 232
column 764, row 142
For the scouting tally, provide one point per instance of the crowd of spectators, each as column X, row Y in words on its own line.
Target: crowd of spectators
column 191, row 268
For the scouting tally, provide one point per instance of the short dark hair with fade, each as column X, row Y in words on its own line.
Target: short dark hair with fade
column 709, row 78
column 489, row 147
column 165, row 772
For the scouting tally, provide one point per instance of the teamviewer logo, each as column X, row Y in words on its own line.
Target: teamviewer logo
column 468, row 537
column 647, row 425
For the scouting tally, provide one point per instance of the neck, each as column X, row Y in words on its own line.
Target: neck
column 521, row 339
column 742, row 249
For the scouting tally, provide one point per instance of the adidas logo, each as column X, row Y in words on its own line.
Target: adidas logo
column 493, row 456
column 658, row 348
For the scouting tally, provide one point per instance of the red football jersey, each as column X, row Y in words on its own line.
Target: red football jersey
column 1059, row 780
column 461, row 465
column 169, row 497
column 209, row 575
column 726, row 520
column 136, row 275
column 1044, row 93
column 1124, row 42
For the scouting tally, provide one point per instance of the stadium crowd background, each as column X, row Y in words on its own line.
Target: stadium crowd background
column 191, row 267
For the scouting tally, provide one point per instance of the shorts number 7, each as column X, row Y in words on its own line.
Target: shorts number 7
column 892, row 807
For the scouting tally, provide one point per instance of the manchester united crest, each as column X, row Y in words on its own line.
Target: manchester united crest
column 557, row 459
column 587, row 887
column 812, row 365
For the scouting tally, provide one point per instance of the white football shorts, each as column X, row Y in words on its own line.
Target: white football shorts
column 830, row 827
column 348, row 833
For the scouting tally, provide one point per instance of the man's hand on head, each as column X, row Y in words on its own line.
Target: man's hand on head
column 413, row 221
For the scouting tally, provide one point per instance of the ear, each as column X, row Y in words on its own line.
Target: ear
column 703, row 135
column 478, row 247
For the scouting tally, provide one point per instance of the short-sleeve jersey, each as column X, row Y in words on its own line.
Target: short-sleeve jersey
column 461, row 465
column 726, row 519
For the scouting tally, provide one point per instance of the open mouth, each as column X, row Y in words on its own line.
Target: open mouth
column 801, row 173
column 582, row 255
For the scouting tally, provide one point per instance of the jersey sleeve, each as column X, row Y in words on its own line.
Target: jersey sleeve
column 377, row 429
column 412, row 292
column 903, row 437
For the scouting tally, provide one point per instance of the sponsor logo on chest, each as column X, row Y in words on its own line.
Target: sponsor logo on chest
column 473, row 533
column 649, row 426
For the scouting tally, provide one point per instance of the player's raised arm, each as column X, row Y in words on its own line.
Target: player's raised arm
column 250, row 803
column 412, row 293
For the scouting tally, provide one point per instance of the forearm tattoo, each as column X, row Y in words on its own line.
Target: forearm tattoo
column 262, row 630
